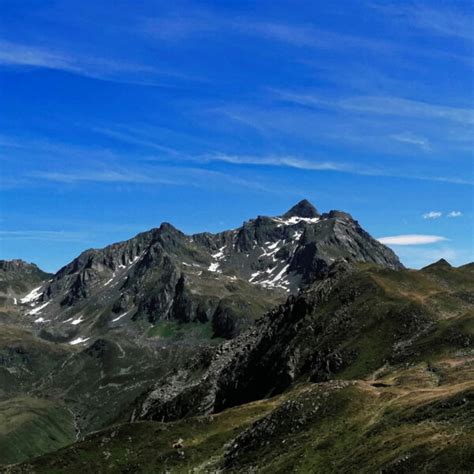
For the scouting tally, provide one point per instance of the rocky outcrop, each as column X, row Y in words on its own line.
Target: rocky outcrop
column 314, row 336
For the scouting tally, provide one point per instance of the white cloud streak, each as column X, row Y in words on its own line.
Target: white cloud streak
column 409, row 138
column 455, row 214
column 382, row 105
column 321, row 165
column 14, row 54
column 281, row 161
column 445, row 22
column 411, row 239
column 310, row 37
column 168, row 176
column 134, row 139
column 441, row 21
column 47, row 235
column 432, row 215
column 104, row 157
column 23, row 55
column 202, row 24
column 99, row 177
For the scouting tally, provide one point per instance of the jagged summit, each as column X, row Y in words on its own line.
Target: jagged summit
column 303, row 209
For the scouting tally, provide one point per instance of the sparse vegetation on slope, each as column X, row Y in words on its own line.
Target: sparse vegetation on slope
column 404, row 421
column 31, row 426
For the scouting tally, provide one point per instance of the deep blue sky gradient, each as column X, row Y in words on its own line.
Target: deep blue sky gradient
column 118, row 115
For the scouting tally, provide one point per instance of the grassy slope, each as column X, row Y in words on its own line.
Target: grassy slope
column 412, row 423
column 148, row 446
column 417, row 415
column 25, row 359
column 31, row 426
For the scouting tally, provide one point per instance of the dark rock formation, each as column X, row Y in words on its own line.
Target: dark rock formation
column 230, row 278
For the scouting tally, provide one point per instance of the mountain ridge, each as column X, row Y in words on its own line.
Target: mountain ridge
column 163, row 269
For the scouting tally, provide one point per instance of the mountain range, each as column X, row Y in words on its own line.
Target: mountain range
column 292, row 343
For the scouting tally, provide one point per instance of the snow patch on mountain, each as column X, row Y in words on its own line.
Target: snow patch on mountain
column 295, row 220
column 79, row 340
column 39, row 308
column 278, row 281
column 77, row 321
column 33, row 295
column 297, row 235
column 121, row 316
column 41, row 320
column 219, row 255
column 253, row 276
column 110, row 281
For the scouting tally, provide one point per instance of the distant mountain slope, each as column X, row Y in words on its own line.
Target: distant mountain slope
column 226, row 280
column 17, row 278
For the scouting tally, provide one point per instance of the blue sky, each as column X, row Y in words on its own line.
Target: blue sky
column 118, row 115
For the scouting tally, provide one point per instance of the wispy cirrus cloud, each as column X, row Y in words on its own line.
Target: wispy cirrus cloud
column 443, row 20
column 454, row 214
column 432, row 215
column 134, row 137
column 283, row 161
column 13, row 54
column 411, row 239
column 315, row 164
column 412, row 139
column 94, row 176
column 107, row 165
column 47, row 235
column 55, row 150
column 399, row 106
column 206, row 23
column 310, row 36
column 382, row 105
column 167, row 176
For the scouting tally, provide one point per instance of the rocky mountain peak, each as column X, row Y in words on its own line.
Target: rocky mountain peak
column 441, row 263
column 16, row 264
column 303, row 209
column 226, row 279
